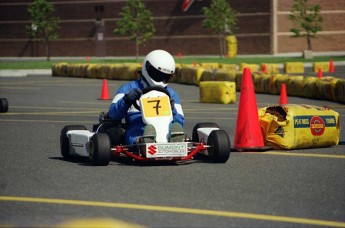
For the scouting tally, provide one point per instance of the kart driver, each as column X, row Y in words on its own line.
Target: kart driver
column 158, row 67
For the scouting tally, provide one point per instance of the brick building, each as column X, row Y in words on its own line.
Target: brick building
column 87, row 28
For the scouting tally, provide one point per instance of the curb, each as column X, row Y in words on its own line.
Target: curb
column 25, row 72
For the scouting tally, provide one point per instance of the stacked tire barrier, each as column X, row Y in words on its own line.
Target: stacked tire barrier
column 126, row 71
column 328, row 88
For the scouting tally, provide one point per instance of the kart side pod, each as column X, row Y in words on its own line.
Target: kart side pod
column 79, row 142
column 203, row 133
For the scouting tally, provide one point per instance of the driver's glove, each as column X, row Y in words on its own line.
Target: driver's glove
column 132, row 96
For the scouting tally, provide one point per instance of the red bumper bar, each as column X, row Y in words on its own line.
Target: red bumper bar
column 121, row 149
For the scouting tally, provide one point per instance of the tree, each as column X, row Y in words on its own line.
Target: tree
column 136, row 22
column 306, row 19
column 43, row 24
column 221, row 19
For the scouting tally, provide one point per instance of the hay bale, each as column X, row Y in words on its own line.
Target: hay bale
column 218, row 75
column 252, row 67
column 190, row 75
column 294, row 67
column 324, row 66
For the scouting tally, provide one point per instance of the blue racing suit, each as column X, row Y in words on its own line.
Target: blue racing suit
column 133, row 118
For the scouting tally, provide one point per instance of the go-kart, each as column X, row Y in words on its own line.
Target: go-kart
column 106, row 140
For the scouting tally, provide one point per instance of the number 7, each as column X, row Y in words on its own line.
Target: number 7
column 157, row 106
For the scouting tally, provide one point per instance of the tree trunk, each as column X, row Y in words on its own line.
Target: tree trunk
column 309, row 41
column 136, row 49
column 225, row 48
column 46, row 42
column 220, row 46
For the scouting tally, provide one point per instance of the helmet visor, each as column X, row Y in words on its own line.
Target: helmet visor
column 157, row 75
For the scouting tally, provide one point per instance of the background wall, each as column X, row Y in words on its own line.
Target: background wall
column 87, row 25
column 331, row 38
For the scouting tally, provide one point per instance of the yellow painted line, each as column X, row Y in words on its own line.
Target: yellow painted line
column 97, row 222
column 100, row 102
column 214, row 112
column 299, row 154
column 49, row 121
column 329, row 106
column 213, row 118
column 53, row 108
column 55, row 82
column 272, row 218
column 77, row 121
column 51, row 113
column 33, row 88
column 211, row 110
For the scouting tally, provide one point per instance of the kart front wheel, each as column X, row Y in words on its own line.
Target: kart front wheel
column 219, row 146
column 64, row 141
column 100, row 149
column 3, row 105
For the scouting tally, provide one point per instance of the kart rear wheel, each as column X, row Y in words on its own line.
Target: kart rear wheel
column 64, row 142
column 219, row 146
column 3, row 105
column 116, row 135
column 195, row 137
column 100, row 149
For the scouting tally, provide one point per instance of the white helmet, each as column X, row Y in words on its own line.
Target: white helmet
column 158, row 67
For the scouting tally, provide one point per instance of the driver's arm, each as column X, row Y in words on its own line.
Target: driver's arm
column 177, row 109
column 123, row 100
column 118, row 108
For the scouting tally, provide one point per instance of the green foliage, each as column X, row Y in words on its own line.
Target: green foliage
column 221, row 19
column 136, row 22
column 43, row 24
column 306, row 20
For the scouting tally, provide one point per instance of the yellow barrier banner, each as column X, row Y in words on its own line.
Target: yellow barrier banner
column 295, row 126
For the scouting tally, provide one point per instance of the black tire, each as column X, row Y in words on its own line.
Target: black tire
column 114, row 130
column 219, row 146
column 3, row 105
column 195, row 137
column 116, row 135
column 64, row 142
column 100, row 149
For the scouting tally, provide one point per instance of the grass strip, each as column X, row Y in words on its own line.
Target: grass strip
column 43, row 64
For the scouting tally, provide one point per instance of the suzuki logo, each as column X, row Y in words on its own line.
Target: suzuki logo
column 152, row 149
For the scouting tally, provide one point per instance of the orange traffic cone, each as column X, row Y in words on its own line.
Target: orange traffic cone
column 264, row 68
column 331, row 66
column 283, row 96
column 319, row 73
column 248, row 136
column 105, row 92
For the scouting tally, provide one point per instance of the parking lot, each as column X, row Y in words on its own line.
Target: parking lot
column 277, row 188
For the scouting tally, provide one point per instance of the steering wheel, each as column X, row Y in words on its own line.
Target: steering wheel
column 149, row 89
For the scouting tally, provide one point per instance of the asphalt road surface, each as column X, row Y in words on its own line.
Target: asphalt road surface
column 294, row 188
